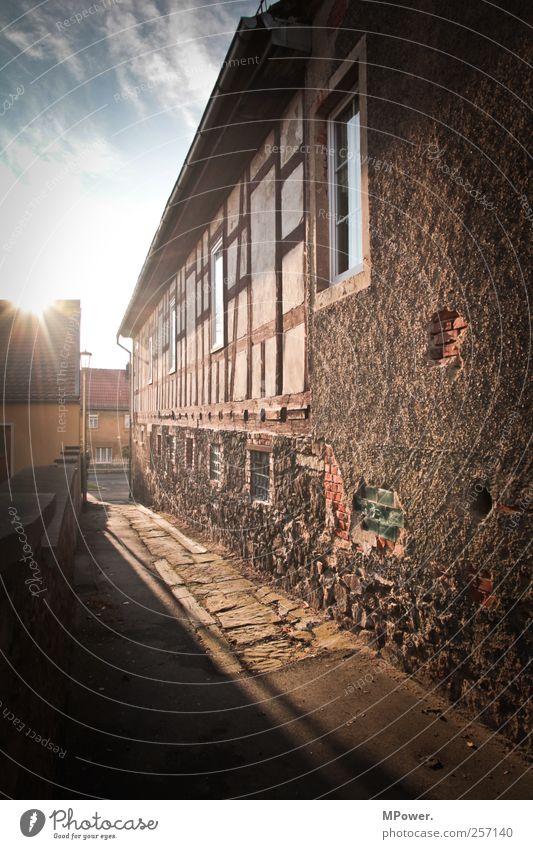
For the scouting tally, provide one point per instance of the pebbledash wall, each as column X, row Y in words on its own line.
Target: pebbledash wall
column 400, row 495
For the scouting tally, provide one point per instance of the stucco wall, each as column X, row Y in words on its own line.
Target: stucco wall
column 455, row 604
column 40, row 431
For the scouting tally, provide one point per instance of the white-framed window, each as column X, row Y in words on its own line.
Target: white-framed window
column 346, row 214
column 93, row 421
column 189, row 452
column 103, row 455
column 215, row 464
column 126, row 421
column 150, row 359
column 172, row 336
column 217, row 296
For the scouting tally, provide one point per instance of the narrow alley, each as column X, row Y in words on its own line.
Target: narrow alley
column 191, row 678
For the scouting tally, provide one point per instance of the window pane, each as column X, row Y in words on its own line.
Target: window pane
column 354, row 192
column 341, row 140
column 217, row 296
column 348, row 238
column 172, row 336
column 342, row 246
column 342, row 188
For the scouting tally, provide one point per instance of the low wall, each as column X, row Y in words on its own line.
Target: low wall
column 38, row 530
column 441, row 620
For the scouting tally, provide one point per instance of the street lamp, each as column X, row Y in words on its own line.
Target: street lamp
column 85, row 359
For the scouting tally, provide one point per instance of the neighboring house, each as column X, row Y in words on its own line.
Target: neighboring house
column 108, row 415
column 330, row 331
column 40, row 371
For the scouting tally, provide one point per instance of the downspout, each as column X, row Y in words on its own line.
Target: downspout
column 120, row 345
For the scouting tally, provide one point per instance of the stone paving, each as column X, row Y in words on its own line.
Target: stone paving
column 260, row 628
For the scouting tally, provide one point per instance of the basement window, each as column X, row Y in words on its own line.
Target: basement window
column 215, row 463
column 380, row 513
column 260, row 475
column 189, row 452
column 150, row 375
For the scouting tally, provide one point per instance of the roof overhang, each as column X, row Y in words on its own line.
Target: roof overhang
column 241, row 111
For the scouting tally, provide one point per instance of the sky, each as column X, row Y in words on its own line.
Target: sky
column 98, row 106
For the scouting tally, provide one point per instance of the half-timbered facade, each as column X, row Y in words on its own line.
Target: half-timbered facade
column 323, row 322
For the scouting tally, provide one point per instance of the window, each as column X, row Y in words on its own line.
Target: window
column 172, row 336
column 214, row 462
column 103, row 455
column 126, row 421
column 259, row 475
column 93, row 422
column 380, row 512
column 217, row 297
column 189, row 452
column 346, row 224
column 150, row 359
column 158, row 444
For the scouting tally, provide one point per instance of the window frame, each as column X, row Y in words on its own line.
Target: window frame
column 172, row 336
column 216, row 343
column 109, row 454
column 93, row 416
column 213, row 448
column 150, row 377
column 356, row 163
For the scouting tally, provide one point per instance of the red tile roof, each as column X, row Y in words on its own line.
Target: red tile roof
column 107, row 389
column 40, row 357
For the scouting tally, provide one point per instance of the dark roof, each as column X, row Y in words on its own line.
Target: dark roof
column 243, row 107
column 40, row 356
column 108, row 389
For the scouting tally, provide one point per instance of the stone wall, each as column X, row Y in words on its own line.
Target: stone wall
column 448, row 230
column 280, row 536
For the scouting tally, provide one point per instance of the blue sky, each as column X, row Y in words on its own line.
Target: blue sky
column 98, row 105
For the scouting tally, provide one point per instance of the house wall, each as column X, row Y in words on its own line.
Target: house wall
column 40, row 431
column 261, row 227
column 443, row 229
column 110, row 433
column 451, row 602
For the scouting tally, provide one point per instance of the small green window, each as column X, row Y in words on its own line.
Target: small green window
column 380, row 512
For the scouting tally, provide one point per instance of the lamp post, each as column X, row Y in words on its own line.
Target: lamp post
column 85, row 359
